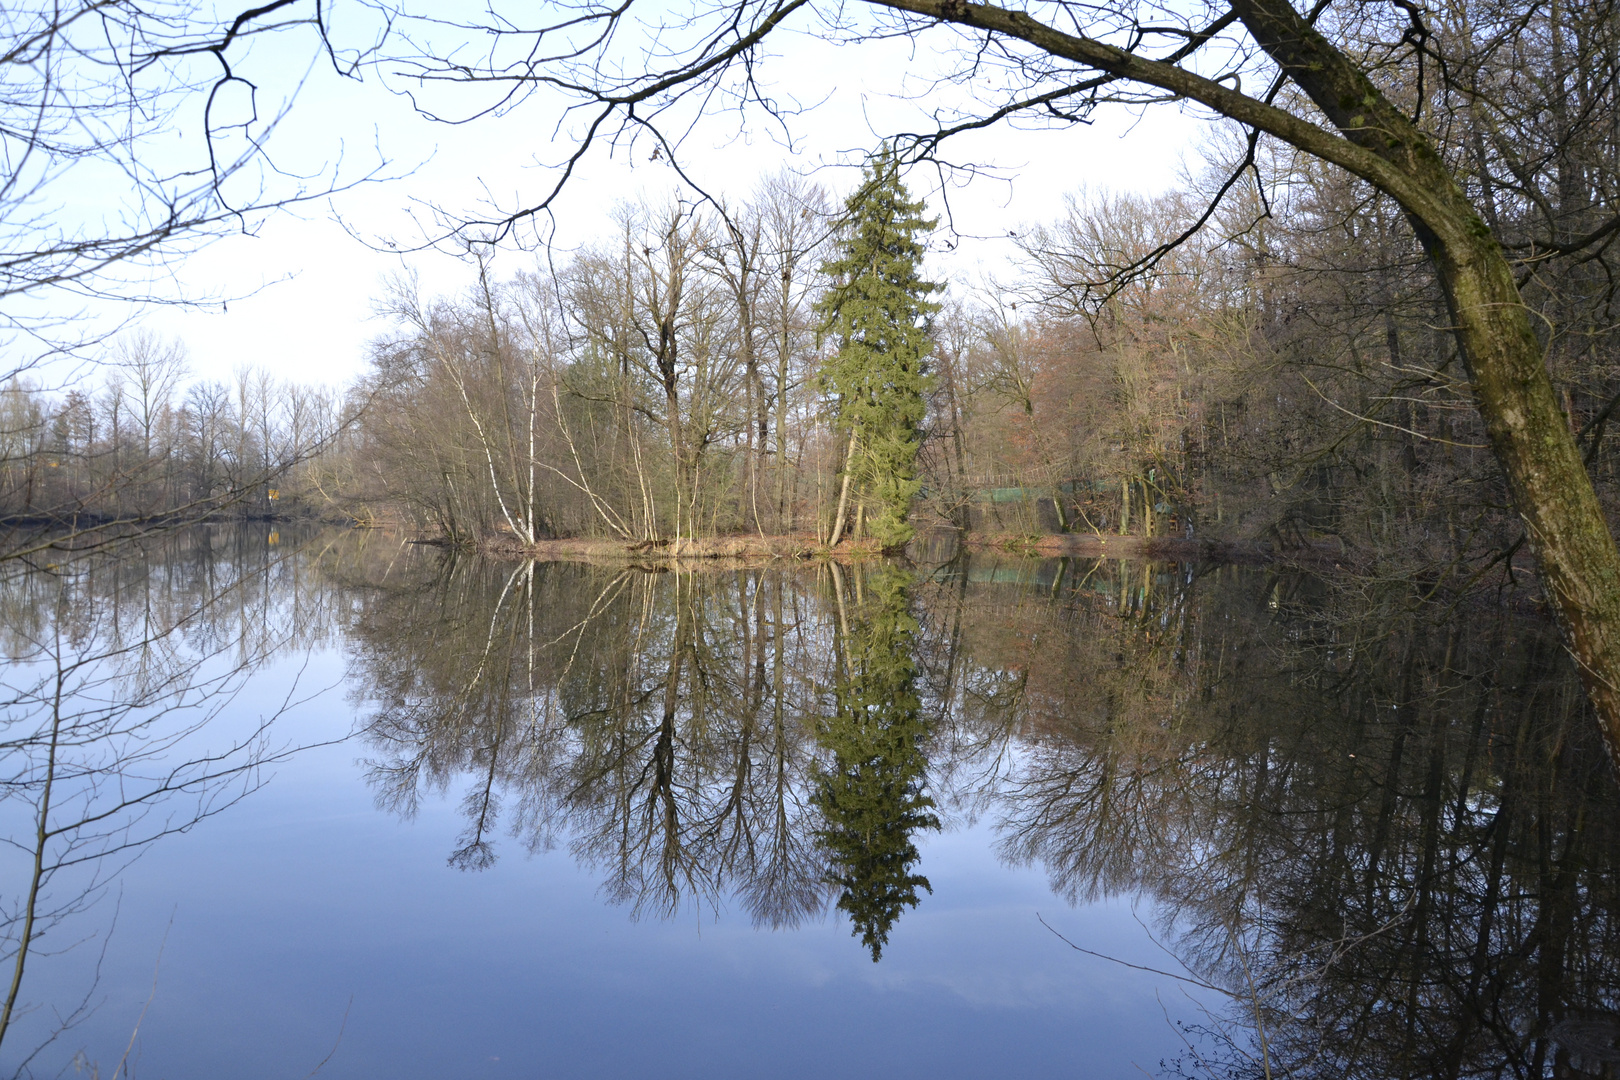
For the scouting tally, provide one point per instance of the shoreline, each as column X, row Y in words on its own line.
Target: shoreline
column 805, row 547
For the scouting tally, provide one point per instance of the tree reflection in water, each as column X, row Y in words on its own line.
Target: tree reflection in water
column 1390, row 837
column 870, row 789
column 1388, row 833
column 661, row 723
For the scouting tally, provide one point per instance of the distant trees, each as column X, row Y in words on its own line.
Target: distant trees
column 148, row 447
column 130, row 136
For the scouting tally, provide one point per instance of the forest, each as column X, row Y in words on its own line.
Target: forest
column 1283, row 375
column 147, row 445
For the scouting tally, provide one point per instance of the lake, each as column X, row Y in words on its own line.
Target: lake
column 281, row 804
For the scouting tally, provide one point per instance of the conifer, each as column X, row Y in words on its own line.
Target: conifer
column 878, row 312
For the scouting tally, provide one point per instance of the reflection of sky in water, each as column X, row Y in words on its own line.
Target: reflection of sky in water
column 306, row 895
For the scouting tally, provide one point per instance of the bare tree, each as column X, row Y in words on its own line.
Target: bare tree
column 154, row 369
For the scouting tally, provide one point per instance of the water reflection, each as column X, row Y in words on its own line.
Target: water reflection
column 662, row 724
column 117, row 670
column 1390, row 838
column 693, row 736
column 870, row 784
column 1388, row 834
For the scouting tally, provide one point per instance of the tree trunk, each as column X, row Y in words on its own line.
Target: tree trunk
column 1529, row 434
column 843, row 493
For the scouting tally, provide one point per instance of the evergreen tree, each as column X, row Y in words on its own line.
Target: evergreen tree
column 878, row 312
column 871, row 793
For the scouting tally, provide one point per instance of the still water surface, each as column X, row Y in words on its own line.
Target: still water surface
column 344, row 804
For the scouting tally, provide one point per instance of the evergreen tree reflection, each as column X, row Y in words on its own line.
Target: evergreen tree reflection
column 870, row 790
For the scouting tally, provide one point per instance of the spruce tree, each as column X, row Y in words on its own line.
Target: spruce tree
column 878, row 311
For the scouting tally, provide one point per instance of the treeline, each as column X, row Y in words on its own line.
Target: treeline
column 1285, row 366
column 1261, row 353
column 1266, row 377
column 148, row 443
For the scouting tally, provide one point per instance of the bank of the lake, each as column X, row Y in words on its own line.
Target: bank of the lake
column 808, row 546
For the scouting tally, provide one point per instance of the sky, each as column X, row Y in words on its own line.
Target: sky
column 298, row 295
